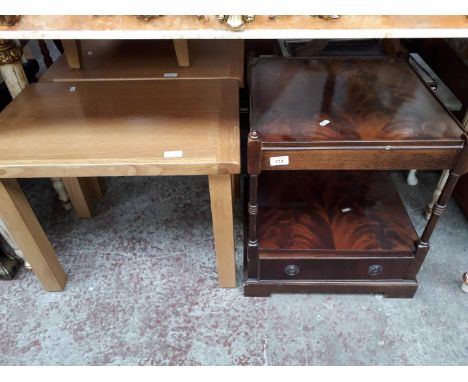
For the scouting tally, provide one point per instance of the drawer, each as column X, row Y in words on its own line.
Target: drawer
column 333, row 269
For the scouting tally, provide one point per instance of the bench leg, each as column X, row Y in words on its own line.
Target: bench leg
column 72, row 51
column 182, row 52
column 83, row 192
column 21, row 223
column 223, row 228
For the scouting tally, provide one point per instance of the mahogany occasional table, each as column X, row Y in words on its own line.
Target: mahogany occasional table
column 315, row 229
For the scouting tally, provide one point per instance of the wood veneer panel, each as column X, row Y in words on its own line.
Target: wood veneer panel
column 121, row 128
column 332, row 213
column 364, row 100
column 105, row 60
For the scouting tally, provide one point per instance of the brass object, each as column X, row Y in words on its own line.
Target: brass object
column 8, row 267
column 236, row 21
column 147, row 17
column 464, row 285
column 327, row 17
column 375, row 270
column 9, row 21
column 292, row 270
column 10, row 52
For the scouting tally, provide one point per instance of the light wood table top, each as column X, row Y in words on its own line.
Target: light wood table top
column 104, row 60
column 121, row 129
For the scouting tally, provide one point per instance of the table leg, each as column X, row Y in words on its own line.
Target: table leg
column 182, row 53
column 72, row 51
column 83, row 192
column 15, row 79
column 223, row 228
column 21, row 223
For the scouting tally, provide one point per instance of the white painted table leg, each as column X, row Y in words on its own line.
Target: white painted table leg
column 412, row 180
column 59, row 188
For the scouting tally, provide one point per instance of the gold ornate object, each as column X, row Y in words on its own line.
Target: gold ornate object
column 8, row 20
column 10, row 52
column 464, row 286
column 327, row 17
column 236, row 21
column 147, row 17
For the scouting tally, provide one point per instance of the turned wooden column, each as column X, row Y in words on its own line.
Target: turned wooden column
column 438, row 209
column 254, row 152
column 443, row 179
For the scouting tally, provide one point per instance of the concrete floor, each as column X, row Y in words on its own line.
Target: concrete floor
column 142, row 290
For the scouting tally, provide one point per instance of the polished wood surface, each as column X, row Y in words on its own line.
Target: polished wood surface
column 374, row 100
column 192, row 27
column 353, row 213
column 104, row 60
column 121, row 128
column 323, row 231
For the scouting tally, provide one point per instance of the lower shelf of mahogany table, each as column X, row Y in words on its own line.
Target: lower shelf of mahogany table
column 332, row 226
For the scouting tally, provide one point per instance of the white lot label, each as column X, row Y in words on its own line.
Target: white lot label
column 170, row 75
column 279, row 161
column 173, row 154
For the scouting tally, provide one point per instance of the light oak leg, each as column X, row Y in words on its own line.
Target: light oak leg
column 15, row 79
column 182, row 52
column 72, row 51
column 83, row 192
column 20, row 221
column 98, row 187
column 223, row 228
column 236, row 185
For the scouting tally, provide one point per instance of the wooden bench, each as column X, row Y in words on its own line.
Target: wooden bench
column 94, row 129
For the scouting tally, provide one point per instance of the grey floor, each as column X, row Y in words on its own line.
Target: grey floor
column 142, row 290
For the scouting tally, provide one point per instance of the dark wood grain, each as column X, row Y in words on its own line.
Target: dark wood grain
column 345, row 211
column 430, row 158
column 390, row 288
column 334, row 269
column 365, row 99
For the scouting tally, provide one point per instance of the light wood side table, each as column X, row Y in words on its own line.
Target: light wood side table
column 119, row 129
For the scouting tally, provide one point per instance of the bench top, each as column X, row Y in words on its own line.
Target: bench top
column 121, row 129
column 106, row 60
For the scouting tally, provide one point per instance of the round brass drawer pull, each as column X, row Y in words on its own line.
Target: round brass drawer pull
column 375, row 270
column 292, row 270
